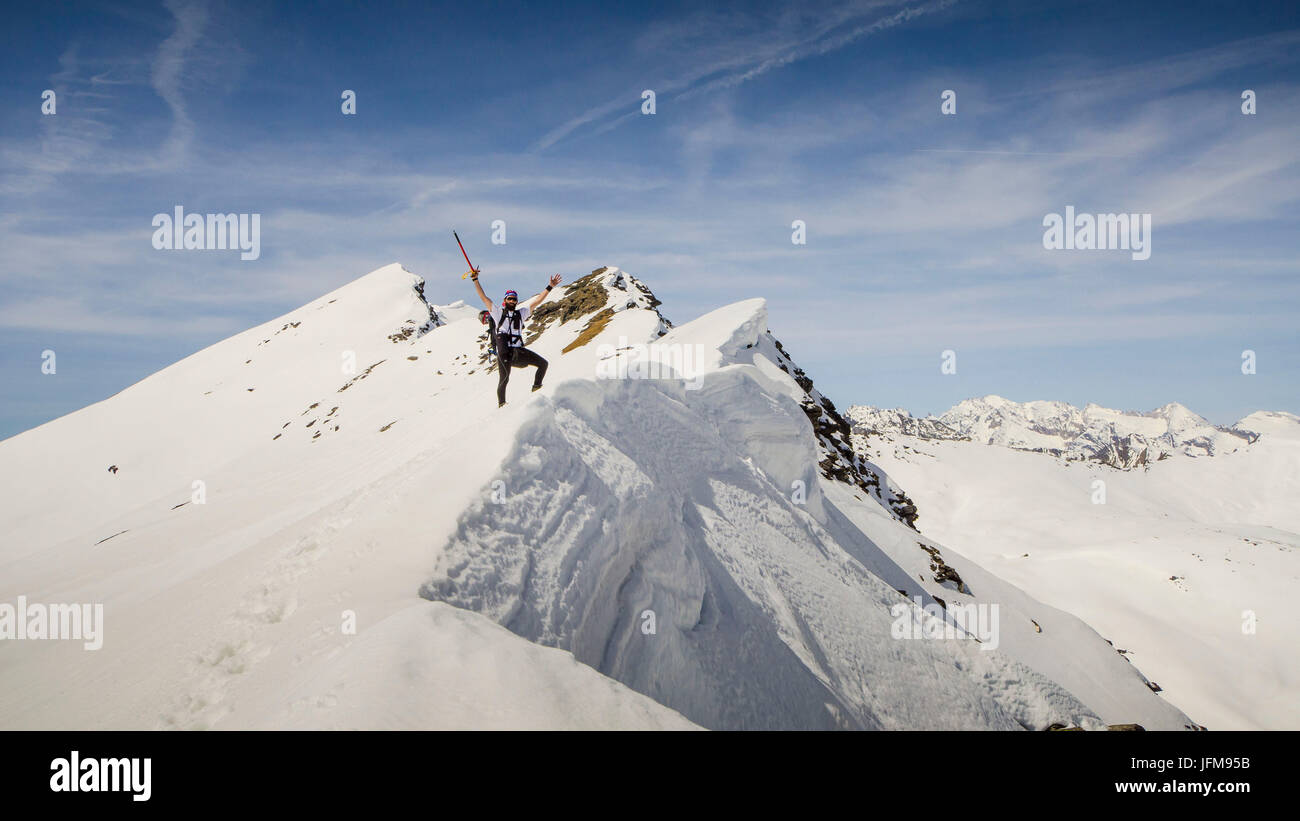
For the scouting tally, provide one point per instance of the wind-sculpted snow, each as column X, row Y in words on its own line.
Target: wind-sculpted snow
column 641, row 530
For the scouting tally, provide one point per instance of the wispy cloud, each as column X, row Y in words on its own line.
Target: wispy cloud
column 80, row 137
column 785, row 46
column 1166, row 74
column 169, row 73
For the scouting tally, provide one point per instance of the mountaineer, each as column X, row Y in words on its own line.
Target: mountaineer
column 508, row 320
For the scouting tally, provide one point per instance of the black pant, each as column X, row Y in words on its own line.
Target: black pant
column 507, row 358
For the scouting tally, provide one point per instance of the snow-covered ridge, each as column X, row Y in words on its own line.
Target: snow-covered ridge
column 346, row 464
column 591, row 302
column 1117, row 438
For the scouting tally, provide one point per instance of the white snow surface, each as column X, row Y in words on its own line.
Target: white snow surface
column 604, row 553
column 1188, row 564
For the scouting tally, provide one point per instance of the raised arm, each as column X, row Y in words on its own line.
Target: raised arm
column 479, row 288
column 537, row 298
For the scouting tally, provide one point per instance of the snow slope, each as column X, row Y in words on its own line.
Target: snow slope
column 701, row 548
column 1175, row 564
column 231, row 613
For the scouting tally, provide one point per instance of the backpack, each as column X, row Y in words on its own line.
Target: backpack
column 486, row 318
column 509, row 320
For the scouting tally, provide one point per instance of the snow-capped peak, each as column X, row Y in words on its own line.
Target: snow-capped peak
column 1278, row 424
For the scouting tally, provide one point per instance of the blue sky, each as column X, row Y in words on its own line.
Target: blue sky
column 924, row 231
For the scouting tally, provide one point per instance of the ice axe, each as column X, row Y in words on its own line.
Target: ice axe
column 472, row 269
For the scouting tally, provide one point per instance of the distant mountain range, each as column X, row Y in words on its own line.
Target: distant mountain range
column 1121, row 439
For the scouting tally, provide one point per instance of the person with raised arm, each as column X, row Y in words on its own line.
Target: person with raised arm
column 509, row 318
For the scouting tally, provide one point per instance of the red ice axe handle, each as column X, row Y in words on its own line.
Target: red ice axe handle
column 472, row 269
